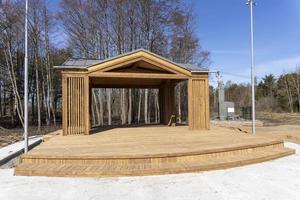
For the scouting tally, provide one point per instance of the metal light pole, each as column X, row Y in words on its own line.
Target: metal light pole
column 251, row 3
column 26, row 82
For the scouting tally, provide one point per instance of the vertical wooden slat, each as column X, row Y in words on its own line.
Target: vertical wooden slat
column 65, row 104
column 82, row 107
column 75, row 104
column 207, row 105
column 71, row 106
column 190, row 102
column 77, row 108
column 80, row 97
column 86, row 97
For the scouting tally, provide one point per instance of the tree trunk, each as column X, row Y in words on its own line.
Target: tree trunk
column 96, row 117
column 290, row 97
column 146, row 107
column 100, row 107
column 37, row 94
column 139, row 106
column 123, row 106
column 108, row 103
column 179, row 103
column 129, row 106
column 157, row 109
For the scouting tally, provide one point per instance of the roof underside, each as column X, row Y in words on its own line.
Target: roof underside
column 84, row 63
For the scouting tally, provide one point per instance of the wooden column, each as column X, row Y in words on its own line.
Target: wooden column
column 74, row 104
column 167, row 101
column 198, row 103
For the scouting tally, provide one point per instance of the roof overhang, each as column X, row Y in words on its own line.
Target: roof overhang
column 122, row 60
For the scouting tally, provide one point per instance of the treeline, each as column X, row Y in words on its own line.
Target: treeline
column 94, row 29
column 44, row 86
column 281, row 94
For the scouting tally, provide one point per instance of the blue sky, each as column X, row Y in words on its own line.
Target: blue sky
column 223, row 29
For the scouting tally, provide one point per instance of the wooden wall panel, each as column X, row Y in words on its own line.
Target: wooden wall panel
column 74, row 105
column 198, row 104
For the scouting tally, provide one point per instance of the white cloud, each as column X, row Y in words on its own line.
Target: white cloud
column 231, row 52
column 277, row 66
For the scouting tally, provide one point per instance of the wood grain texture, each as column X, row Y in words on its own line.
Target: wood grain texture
column 146, row 151
column 198, row 104
column 137, row 70
column 73, row 105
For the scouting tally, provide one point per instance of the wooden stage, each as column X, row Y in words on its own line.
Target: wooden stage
column 148, row 150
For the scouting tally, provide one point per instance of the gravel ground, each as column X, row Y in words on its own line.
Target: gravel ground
column 277, row 179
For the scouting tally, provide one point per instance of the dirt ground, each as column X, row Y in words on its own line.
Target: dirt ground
column 9, row 136
column 284, row 126
column 277, row 119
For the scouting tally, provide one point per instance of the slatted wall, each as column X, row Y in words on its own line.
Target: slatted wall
column 198, row 100
column 74, row 105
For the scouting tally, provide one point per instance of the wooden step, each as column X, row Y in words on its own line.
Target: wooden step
column 197, row 163
column 150, row 157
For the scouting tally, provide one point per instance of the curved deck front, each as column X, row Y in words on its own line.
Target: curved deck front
column 148, row 150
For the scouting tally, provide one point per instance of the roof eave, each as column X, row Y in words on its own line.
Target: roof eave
column 202, row 71
column 69, row 67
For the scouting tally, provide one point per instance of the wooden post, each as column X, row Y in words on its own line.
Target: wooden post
column 167, row 99
column 198, row 103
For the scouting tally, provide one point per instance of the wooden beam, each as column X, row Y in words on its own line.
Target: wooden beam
column 141, row 55
column 138, row 75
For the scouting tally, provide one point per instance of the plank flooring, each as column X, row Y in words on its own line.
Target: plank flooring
column 148, row 150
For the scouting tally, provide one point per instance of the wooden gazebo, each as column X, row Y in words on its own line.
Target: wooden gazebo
column 136, row 151
column 136, row 69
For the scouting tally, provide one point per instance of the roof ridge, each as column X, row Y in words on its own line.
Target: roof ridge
column 84, row 58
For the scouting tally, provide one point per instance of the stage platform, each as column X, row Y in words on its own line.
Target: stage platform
column 147, row 150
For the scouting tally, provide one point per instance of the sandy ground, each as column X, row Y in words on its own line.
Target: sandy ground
column 284, row 126
column 277, row 179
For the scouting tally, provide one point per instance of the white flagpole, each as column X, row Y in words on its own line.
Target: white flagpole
column 251, row 3
column 26, row 82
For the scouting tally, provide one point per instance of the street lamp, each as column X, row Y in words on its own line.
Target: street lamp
column 251, row 3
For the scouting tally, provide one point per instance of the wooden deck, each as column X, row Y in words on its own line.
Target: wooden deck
column 146, row 151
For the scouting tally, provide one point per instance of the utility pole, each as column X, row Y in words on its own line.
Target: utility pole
column 26, row 81
column 219, row 93
column 251, row 3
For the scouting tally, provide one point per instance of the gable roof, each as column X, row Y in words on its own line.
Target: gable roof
column 85, row 63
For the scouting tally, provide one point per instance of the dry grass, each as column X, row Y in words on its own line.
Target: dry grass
column 284, row 126
column 276, row 119
column 10, row 136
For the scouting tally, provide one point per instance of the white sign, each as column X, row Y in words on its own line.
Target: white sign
column 230, row 110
